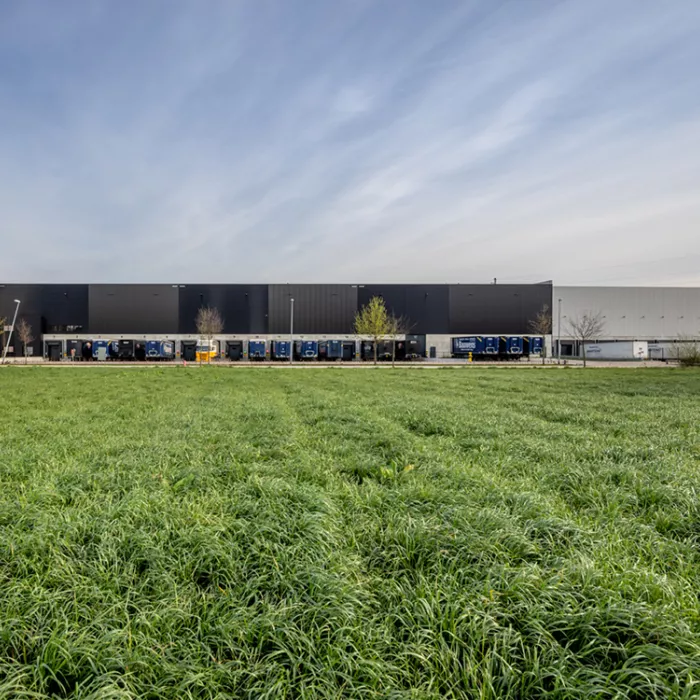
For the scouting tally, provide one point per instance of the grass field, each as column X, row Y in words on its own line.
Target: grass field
column 321, row 533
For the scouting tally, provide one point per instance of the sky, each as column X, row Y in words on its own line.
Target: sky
column 350, row 141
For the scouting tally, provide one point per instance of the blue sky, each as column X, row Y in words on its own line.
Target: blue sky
column 350, row 141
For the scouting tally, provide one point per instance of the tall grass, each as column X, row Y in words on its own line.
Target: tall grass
column 218, row 533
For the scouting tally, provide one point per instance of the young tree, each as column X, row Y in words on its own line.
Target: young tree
column 373, row 320
column 586, row 327
column 24, row 333
column 398, row 325
column 209, row 323
column 542, row 325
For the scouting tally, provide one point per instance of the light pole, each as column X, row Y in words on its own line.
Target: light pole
column 291, row 329
column 559, row 334
column 12, row 328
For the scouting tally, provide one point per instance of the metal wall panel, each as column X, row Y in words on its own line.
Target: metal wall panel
column 496, row 308
column 29, row 310
column 394, row 296
column 633, row 313
column 192, row 297
column 425, row 306
column 64, row 305
column 323, row 309
column 133, row 308
column 28, row 294
column 257, row 296
column 242, row 306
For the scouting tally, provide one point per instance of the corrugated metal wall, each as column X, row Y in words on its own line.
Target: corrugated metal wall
column 64, row 305
column 634, row 313
column 496, row 308
column 424, row 306
column 242, row 306
column 319, row 309
column 30, row 309
column 322, row 309
column 133, row 308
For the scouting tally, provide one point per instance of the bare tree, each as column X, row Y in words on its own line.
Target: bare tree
column 373, row 320
column 209, row 323
column 3, row 321
column 542, row 325
column 586, row 327
column 398, row 325
column 24, row 333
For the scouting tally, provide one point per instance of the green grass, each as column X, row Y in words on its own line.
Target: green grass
column 325, row 533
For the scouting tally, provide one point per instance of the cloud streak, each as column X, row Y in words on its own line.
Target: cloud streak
column 350, row 142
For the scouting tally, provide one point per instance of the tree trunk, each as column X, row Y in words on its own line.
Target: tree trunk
column 393, row 353
column 544, row 354
column 584, row 354
column 376, row 343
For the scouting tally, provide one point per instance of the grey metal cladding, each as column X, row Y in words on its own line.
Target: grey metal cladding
column 325, row 309
column 424, row 306
column 427, row 308
column 191, row 297
column 322, row 310
column 496, row 308
column 257, row 300
column 29, row 296
column 133, row 308
column 65, row 305
column 394, row 296
column 30, row 310
column 242, row 306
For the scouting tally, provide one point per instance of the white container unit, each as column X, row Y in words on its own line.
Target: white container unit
column 621, row 350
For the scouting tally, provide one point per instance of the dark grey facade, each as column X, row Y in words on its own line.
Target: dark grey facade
column 319, row 309
column 133, row 308
column 495, row 308
column 322, row 309
column 243, row 307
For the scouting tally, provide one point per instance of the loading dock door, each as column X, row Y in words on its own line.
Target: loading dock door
column 54, row 352
column 189, row 351
column 234, row 350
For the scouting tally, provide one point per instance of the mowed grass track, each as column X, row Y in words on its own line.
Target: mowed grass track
column 329, row 533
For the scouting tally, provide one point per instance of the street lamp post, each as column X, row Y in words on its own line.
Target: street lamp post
column 12, row 328
column 559, row 334
column 291, row 330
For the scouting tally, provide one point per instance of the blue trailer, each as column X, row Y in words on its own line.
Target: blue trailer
column 256, row 349
column 512, row 346
column 160, row 349
column 280, row 350
column 461, row 347
column 308, row 349
column 535, row 345
column 330, row 350
column 492, row 344
column 111, row 349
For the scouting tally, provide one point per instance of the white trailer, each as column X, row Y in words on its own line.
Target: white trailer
column 620, row 350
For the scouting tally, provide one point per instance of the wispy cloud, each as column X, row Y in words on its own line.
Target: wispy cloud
column 350, row 141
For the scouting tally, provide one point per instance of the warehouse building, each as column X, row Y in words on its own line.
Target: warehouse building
column 657, row 317
column 436, row 313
